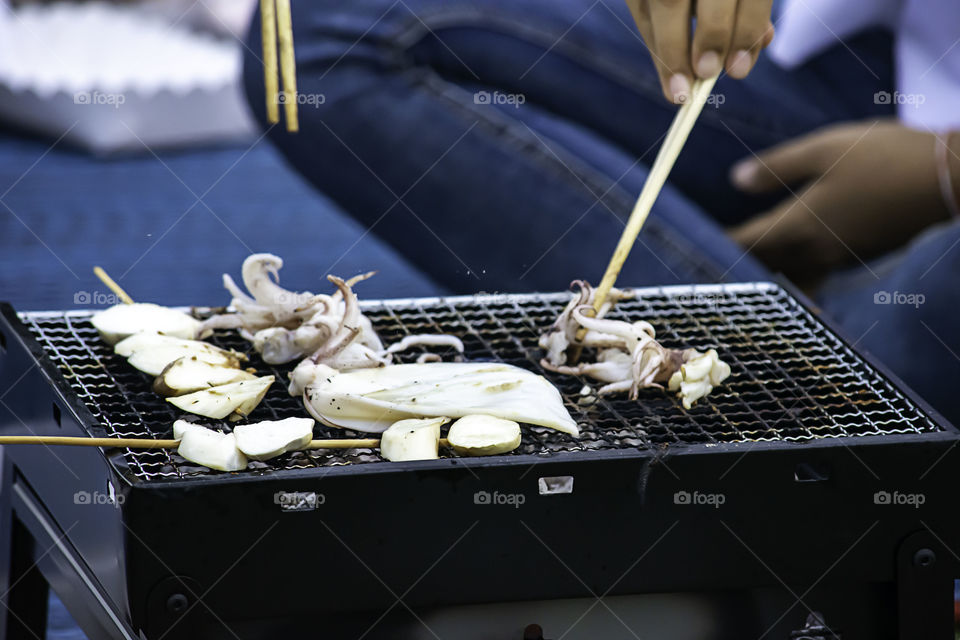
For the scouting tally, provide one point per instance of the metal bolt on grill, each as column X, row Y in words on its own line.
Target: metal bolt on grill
column 792, row 379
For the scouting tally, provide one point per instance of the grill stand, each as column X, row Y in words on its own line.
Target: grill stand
column 35, row 555
column 23, row 608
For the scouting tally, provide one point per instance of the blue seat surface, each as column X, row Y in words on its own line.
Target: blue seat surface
column 167, row 226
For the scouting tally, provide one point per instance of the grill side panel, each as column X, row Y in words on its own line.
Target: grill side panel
column 426, row 535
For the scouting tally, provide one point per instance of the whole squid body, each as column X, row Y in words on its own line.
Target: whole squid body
column 371, row 400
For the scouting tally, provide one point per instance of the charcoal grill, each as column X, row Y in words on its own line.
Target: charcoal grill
column 797, row 480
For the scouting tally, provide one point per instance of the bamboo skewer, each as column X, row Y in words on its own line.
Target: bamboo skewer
column 147, row 443
column 113, row 286
column 268, row 30
column 347, row 443
column 666, row 157
column 81, row 441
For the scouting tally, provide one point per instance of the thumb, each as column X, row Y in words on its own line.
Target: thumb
column 781, row 166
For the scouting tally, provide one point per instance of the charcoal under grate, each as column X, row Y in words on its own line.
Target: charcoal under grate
column 792, row 379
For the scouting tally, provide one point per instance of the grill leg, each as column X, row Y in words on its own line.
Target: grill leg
column 6, row 518
column 23, row 590
column 28, row 590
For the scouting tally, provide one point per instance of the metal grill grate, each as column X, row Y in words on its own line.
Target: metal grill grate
column 792, row 380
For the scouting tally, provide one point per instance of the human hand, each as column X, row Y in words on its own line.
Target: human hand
column 862, row 189
column 729, row 35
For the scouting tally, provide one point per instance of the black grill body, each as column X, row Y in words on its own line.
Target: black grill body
column 799, row 477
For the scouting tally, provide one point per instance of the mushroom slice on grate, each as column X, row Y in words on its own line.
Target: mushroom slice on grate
column 123, row 320
column 412, row 439
column 235, row 400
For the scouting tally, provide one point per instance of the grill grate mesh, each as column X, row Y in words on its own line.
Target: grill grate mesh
column 792, row 380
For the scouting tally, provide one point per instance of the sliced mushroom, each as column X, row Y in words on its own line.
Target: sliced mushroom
column 152, row 352
column 123, row 320
column 413, row 439
column 481, row 435
column 211, row 449
column 271, row 438
column 190, row 373
column 180, row 427
column 235, row 400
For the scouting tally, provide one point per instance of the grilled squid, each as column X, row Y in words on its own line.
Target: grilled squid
column 328, row 329
column 629, row 356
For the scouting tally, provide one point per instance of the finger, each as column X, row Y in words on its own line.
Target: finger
column 712, row 37
column 640, row 10
column 782, row 166
column 751, row 33
column 768, row 36
column 671, row 33
column 641, row 15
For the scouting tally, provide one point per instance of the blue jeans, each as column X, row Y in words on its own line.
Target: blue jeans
column 500, row 145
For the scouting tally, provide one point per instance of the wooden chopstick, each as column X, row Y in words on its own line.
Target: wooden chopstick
column 268, row 30
column 666, row 157
column 147, row 443
column 276, row 27
column 288, row 69
column 113, row 286
column 672, row 145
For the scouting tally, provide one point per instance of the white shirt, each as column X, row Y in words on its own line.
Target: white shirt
column 926, row 49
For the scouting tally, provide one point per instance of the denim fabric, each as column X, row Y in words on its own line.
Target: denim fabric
column 903, row 310
column 494, row 197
